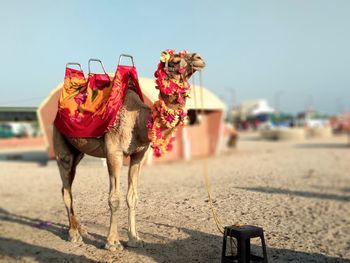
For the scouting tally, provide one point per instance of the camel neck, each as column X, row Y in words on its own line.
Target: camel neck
column 162, row 125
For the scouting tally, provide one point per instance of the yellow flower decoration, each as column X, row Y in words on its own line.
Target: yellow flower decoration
column 164, row 57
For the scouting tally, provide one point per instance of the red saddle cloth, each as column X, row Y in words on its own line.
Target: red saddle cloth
column 89, row 107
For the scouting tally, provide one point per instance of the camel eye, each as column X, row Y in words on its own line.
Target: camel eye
column 176, row 59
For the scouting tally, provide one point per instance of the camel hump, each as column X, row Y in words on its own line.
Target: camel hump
column 133, row 101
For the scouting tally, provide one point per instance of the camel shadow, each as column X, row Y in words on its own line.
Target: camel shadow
column 342, row 189
column 56, row 229
column 197, row 246
column 205, row 247
column 272, row 190
column 324, row 146
column 16, row 250
column 251, row 138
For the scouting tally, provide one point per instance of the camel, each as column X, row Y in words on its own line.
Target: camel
column 128, row 137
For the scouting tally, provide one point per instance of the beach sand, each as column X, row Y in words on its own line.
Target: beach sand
column 299, row 192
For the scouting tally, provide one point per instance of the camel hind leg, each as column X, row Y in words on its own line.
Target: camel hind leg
column 67, row 160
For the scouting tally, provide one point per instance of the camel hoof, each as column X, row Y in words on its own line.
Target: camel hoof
column 135, row 243
column 74, row 236
column 114, row 247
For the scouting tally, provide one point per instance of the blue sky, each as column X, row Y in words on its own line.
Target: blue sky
column 296, row 50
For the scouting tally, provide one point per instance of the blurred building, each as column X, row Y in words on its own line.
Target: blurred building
column 18, row 122
column 341, row 123
column 312, row 119
column 201, row 137
column 251, row 113
column 250, row 108
column 13, row 114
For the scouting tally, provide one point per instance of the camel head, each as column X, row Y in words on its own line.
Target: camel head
column 169, row 111
column 173, row 73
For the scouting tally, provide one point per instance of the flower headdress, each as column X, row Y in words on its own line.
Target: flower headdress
column 164, row 83
column 162, row 117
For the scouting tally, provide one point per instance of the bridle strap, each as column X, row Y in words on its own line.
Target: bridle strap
column 201, row 91
column 194, row 92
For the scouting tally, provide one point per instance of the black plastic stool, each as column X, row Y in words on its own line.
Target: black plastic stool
column 243, row 234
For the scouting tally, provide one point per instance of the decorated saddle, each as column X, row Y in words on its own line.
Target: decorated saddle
column 88, row 107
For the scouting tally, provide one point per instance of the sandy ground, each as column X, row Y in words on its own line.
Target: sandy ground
column 299, row 192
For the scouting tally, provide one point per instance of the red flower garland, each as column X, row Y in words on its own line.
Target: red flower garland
column 162, row 117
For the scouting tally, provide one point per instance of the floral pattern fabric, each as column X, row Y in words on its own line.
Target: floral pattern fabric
column 88, row 107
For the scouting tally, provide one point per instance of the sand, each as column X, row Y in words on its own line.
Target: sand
column 299, row 192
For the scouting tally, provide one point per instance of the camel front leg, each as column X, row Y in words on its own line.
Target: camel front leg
column 114, row 162
column 67, row 161
column 134, row 171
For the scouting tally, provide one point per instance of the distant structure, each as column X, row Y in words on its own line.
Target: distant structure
column 14, row 114
column 251, row 113
column 250, row 108
column 18, row 122
column 312, row 118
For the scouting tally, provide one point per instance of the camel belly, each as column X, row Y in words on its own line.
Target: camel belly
column 90, row 146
